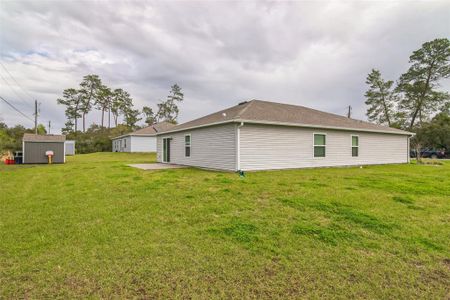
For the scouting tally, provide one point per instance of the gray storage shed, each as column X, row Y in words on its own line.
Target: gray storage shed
column 34, row 147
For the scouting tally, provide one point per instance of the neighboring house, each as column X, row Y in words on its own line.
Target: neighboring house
column 261, row 135
column 141, row 140
column 35, row 146
column 70, row 147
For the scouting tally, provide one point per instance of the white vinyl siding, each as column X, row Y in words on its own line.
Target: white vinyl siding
column 134, row 144
column 126, row 144
column 355, row 145
column 70, row 147
column 320, row 144
column 143, row 143
column 212, row 147
column 281, row 147
column 187, row 145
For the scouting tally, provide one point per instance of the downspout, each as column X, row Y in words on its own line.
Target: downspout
column 409, row 149
column 238, row 146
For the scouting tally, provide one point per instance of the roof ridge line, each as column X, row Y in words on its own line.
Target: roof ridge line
column 244, row 109
column 327, row 113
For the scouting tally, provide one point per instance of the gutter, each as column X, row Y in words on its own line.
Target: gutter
column 401, row 132
column 126, row 135
column 238, row 146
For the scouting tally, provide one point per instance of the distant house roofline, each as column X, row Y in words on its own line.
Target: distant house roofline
column 148, row 131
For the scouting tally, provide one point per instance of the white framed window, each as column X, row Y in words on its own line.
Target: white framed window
column 187, row 145
column 124, row 143
column 355, row 145
column 320, row 144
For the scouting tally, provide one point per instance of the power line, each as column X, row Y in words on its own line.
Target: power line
column 17, row 94
column 13, row 107
column 25, row 91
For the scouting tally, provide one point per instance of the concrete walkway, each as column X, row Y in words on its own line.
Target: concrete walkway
column 156, row 166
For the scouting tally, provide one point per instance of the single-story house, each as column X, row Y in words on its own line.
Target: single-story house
column 35, row 146
column 141, row 140
column 70, row 147
column 262, row 135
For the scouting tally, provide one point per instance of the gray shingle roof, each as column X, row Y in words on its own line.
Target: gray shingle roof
column 265, row 112
column 150, row 130
column 153, row 129
column 31, row 137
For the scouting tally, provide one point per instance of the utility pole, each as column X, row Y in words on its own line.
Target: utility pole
column 35, row 116
column 349, row 113
column 49, row 126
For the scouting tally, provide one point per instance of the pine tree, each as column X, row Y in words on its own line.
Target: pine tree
column 380, row 99
column 150, row 117
column 168, row 110
column 104, row 99
column 418, row 86
column 72, row 100
column 121, row 104
column 89, row 88
column 131, row 116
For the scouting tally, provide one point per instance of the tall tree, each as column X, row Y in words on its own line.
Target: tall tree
column 68, row 127
column 168, row 110
column 380, row 98
column 72, row 100
column 150, row 117
column 131, row 116
column 437, row 132
column 104, row 99
column 89, row 88
column 41, row 129
column 418, row 86
column 121, row 102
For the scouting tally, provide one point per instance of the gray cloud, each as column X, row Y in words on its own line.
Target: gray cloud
column 315, row 54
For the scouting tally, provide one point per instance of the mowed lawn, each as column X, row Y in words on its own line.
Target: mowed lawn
column 95, row 227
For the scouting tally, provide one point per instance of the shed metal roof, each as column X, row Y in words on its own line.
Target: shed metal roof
column 31, row 137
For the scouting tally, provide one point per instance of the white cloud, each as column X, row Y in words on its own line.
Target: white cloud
column 315, row 54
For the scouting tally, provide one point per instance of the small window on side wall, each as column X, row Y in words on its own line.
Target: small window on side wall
column 355, row 145
column 319, row 145
column 187, row 145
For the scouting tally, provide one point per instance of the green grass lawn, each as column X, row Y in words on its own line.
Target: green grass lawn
column 95, row 227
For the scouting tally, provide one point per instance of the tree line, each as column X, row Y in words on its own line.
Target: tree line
column 11, row 137
column 414, row 101
column 93, row 94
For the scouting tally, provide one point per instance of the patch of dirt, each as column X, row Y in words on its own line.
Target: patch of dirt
column 446, row 262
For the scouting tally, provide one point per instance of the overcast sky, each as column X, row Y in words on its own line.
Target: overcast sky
column 315, row 54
